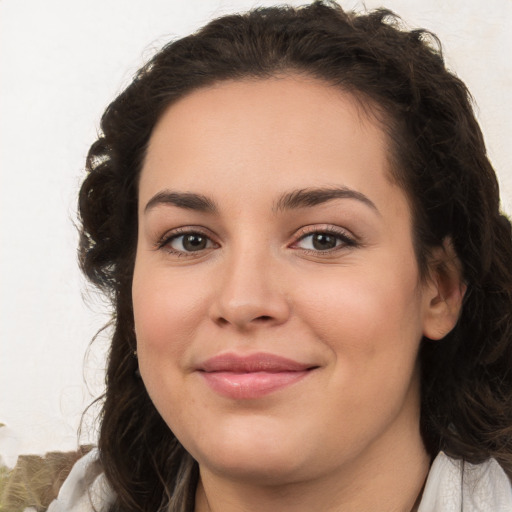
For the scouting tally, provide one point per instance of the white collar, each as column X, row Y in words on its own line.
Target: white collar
column 458, row 486
column 77, row 494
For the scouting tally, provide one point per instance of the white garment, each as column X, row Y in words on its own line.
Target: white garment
column 455, row 486
column 452, row 486
column 76, row 496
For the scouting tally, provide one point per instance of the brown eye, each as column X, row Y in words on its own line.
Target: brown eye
column 190, row 242
column 323, row 241
column 194, row 242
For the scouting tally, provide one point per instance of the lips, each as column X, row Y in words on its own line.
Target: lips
column 253, row 376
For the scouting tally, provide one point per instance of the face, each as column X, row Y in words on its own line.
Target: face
column 277, row 301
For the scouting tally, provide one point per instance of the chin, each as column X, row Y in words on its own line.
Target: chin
column 255, row 468
column 253, row 455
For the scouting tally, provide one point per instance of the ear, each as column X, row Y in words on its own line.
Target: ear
column 443, row 293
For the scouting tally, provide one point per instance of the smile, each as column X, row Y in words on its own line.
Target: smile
column 253, row 376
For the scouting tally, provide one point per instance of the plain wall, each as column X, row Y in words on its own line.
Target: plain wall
column 61, row 63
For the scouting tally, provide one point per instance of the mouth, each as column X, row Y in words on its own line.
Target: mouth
column 253, row 376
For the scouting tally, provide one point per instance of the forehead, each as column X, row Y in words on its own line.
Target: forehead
column 292, row 105
column 268, row 135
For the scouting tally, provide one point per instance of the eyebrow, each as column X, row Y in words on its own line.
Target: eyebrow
column 187, row 200
column 308, row 197
column 301, row 198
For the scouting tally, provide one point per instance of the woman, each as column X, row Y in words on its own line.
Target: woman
column 295, row 218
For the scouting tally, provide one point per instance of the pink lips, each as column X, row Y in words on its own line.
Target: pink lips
column 254, row 376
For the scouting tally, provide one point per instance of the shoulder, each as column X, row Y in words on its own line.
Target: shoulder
column 85, row 489
column 453, row 485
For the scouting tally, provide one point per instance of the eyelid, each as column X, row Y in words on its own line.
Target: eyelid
column 164, row 241
column 348, row 240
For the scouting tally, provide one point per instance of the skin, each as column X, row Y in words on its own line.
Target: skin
column 346, row 436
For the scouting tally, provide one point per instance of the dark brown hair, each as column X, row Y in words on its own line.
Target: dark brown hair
column 439, row 158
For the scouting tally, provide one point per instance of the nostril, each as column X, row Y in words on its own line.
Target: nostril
column 263, row 318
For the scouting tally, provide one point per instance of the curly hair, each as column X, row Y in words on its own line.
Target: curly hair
column 438, row 157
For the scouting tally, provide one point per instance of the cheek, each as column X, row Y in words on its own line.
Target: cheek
column 370, row 315
column 166, row 312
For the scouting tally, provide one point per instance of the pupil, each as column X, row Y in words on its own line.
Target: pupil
column 194, row 242
column 323, row 242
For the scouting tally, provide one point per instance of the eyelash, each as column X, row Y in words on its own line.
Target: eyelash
column 343, row 240
column 168, row 238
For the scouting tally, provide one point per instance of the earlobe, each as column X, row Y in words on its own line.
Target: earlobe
column 444, row 292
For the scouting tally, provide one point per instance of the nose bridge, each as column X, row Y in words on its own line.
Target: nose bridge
column 249, row 290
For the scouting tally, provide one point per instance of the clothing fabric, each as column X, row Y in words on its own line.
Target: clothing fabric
column 452, row 486
column 79, row 494
column 457, row 486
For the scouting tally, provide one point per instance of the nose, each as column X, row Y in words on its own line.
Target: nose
column 249, row 293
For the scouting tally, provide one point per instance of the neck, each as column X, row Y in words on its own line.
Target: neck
column 388, row 483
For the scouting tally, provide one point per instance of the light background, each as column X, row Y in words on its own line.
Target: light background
column 61, row 63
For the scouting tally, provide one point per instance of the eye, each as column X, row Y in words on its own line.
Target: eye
column 188, row 242
column 324, row 241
